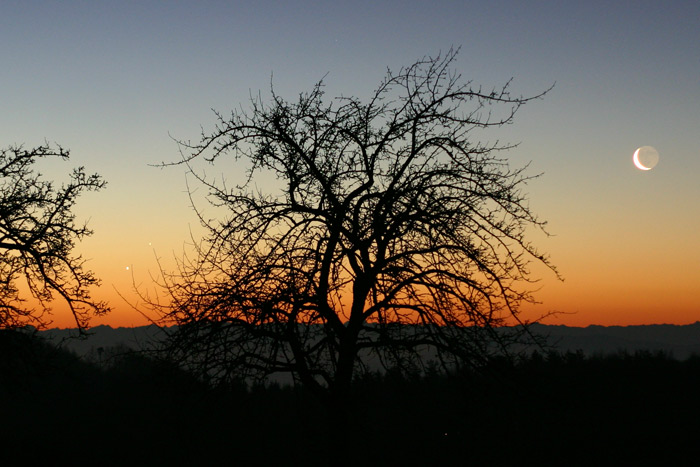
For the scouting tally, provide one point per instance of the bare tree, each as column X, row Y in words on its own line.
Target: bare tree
column 37, row 238
column 393, row 235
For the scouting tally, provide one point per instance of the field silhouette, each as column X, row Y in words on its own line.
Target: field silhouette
column 545, row 408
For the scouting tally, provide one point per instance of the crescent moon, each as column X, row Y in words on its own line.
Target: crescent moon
column 639, row 165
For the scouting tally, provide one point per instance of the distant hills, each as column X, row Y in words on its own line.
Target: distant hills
column 104, row 337
column 680, row 341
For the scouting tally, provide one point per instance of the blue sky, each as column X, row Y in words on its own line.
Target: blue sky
column 114, row 81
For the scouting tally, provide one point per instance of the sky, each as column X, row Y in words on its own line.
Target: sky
column 118, row 82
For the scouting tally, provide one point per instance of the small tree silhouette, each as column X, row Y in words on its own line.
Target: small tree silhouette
column 37, row 238
column 392, row 236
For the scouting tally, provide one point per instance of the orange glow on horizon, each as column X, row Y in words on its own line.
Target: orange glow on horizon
column 579, row 310
column 613, row 286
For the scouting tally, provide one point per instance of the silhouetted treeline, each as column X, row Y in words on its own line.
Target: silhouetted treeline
column 541, row 409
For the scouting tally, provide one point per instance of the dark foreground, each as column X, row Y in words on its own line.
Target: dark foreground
column 542, row 410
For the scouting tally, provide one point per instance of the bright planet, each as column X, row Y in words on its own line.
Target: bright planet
column 645, row 158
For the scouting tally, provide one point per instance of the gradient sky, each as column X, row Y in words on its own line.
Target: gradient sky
column 113, row 81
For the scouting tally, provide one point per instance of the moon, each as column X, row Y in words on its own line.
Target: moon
column 645, row 158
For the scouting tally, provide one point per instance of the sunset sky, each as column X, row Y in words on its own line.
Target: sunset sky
column 115, row 82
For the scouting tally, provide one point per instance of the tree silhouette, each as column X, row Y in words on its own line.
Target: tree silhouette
column 37, row 237
column 392, row 237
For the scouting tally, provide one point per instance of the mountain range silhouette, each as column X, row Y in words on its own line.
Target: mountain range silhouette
column 678, row 341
